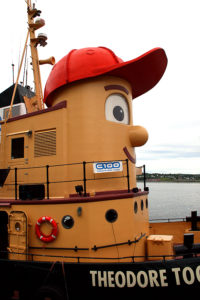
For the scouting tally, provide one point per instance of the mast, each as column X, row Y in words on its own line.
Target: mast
column 35, row 103
column 34, row 42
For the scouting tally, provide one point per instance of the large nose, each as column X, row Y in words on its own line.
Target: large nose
column 138, row 136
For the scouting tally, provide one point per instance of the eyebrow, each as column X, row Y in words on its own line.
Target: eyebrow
column 116, row 87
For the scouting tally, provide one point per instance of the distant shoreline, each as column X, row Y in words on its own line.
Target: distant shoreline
column 172, row 181
column 157, row 177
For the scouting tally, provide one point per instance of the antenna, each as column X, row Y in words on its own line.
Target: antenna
column 25, row 65
column 34, row 42
column 26, row 84
column 15, row 88
column 13, row 72
column 36, row 102
column 28, row 2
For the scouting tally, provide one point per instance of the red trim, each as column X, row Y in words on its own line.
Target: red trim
column 106, row 193
column 60, row 105
column 5, row 204
column 79, row 199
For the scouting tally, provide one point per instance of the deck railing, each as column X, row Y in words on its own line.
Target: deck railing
column 82, row 259
column 46, row 170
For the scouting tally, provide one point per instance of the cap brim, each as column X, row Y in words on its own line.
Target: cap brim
column 144, row 72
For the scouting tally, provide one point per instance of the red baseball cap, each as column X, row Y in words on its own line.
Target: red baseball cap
column 143, row 73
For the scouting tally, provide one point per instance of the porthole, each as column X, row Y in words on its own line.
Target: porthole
column 67, row 222
column 147, row 203
column 111, row 215
column 142, row 204
column 135, row 207
column 17, row 226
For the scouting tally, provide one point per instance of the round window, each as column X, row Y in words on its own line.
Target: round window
column 142, row 205
column 17, row 226
column 67, row 222
column 147, row 203
column 135, row 207
column 111, row 215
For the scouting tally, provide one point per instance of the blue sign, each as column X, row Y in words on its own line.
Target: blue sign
column 111, row 166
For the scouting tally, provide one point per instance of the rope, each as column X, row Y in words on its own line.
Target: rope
column 65, row 281
column 15, row 88
column 115, row 240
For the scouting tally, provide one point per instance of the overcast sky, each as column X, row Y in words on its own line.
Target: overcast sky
column 171, row 110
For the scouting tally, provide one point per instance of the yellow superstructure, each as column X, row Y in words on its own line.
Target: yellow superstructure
column 63, row 140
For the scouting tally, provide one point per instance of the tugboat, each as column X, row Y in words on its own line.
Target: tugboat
column 73, row 221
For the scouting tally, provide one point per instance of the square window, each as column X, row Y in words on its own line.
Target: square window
column 17, row 148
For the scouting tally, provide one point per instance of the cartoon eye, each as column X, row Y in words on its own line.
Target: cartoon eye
column 116, row 109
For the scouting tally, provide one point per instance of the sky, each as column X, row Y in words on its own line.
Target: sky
column 171, row 110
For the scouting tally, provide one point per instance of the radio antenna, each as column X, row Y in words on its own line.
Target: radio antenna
column 25, row 65
column 13, row 72
column 16, row 83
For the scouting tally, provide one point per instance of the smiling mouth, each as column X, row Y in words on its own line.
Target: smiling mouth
column 129, row 156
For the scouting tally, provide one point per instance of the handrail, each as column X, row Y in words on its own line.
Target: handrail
column 70, row 164
column 164, row 220
column 84, row 179
column 78, row 258
column 95, row 248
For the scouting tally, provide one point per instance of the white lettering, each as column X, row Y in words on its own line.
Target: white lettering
column 176, row 272
column 163, row 277
column 198, row 273
column 153, row 275
column 111, row 279
column 102, row 279
column 131, row 279
column 188, row 279
column 142, row 279
column 93, row 273
column 120, row 279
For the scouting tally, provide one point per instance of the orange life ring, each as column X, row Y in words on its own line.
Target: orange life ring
column 43, row 237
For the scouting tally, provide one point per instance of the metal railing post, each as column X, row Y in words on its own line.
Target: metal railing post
column 84, row 178
column 15, row 183
column 144, row 172
column 128, row 181
column 47, row 180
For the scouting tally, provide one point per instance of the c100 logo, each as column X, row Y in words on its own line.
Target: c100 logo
column 108, row 165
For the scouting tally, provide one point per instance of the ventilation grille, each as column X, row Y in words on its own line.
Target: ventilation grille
column 45, row 143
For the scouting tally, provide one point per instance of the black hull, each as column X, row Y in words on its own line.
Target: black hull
column 37, row 280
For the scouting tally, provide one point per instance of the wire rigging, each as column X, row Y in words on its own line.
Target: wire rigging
column 115, row 240
column 25, row 65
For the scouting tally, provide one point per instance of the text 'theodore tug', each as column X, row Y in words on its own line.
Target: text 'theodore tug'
column 72, row 219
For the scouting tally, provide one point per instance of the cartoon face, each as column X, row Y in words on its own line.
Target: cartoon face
column 99, row 120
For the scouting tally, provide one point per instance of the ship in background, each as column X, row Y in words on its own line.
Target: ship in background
column 72, row 220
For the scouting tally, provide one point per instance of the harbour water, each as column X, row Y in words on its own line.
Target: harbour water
column 172, row 200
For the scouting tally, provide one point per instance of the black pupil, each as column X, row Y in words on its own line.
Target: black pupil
column 118, row 113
